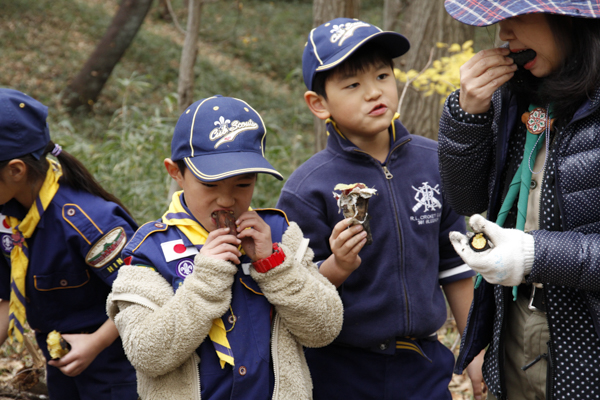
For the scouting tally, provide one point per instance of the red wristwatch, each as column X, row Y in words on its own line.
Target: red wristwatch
column 270, row 262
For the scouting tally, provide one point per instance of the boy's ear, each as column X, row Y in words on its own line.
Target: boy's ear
column 173, row 171
column 317, row 105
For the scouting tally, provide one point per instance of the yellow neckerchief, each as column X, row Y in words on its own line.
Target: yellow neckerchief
column 177, row 216
column 19, row 256
column 335, row 127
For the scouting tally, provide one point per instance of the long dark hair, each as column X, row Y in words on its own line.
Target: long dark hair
column 74, row 173
column 576, row 79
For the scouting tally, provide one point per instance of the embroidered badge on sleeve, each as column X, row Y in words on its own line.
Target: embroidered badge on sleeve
column 107, row 248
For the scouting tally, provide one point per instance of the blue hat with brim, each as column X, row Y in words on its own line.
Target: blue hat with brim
column 221, row 137
column 484, row 13
column 23, row 126
column 331, row 43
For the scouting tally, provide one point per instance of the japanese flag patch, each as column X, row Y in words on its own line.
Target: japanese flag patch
column 4, row 226
column 175, row 249
column 107, row 248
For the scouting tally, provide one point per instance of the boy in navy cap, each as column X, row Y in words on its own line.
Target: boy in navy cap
column 61, row 237
column 393, row 303
column 221, row 311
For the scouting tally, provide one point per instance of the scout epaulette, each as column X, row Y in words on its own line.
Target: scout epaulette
column 272, row 211
column 143, row 232
column 81, row 222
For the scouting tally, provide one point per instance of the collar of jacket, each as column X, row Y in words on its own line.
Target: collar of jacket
column 338, row 141
column 588, row 107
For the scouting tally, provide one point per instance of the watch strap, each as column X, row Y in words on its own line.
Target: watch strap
column 268, row 263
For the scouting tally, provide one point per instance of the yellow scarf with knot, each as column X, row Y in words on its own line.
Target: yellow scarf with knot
column 19, row 256
column 177, row 216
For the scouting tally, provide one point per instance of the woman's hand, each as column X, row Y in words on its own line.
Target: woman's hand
column 485, row 72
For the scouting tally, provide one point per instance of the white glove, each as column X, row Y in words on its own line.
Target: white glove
column 509, row 259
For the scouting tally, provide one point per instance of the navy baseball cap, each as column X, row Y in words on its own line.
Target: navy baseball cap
column 333, row 42
column 23, row 126
column 220, row 137
column 487, row 12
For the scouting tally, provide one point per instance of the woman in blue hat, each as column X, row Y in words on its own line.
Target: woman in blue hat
column 61, row 236
column 521, row 141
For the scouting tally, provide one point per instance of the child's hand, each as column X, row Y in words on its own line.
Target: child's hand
column 84, row 350
column 223, row 245
column 485, row 72
column 256, row 241
column 346, row 242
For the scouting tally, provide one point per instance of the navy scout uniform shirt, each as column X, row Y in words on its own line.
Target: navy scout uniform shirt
column 74, row 256
column 248, row 322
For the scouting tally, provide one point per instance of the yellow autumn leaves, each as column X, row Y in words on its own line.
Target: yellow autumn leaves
column 443, row 77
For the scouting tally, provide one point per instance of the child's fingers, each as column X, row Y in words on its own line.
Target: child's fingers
column 340, row 227
column 221, row 235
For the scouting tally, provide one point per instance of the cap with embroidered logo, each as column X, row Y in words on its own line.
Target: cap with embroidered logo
column 23, row 126
column 333, row 42
column 220, row 137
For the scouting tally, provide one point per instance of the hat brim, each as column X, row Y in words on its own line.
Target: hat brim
column 216, row 167
column 395, row 44
column 484, row 13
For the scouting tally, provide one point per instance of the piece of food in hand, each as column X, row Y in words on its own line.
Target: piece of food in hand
column 224, row 219
column 523, row 57
column 479, row 242
column 353, row 202
column 57, row 346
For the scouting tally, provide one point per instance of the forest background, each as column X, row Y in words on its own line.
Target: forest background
column 248, row 49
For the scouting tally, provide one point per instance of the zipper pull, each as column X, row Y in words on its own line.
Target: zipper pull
column 538, row 358
column 388, row 174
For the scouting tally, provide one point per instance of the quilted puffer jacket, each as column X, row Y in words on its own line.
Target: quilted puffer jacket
column 567, row 262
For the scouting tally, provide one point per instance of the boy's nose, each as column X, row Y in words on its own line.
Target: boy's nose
column 226, row 200
column 372, row 92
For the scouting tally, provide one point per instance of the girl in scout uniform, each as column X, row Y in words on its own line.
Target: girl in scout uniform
column 61, row 237
column 221, row 312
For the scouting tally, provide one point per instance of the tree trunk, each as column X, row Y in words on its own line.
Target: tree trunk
column 185, row 86
column 391, row 12
column 323, row 11
column 426, row 22
column 85, row 88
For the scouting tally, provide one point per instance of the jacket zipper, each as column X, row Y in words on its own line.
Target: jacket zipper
column 199, row 392
column 274, row 355
column 388, row 177
column 501, row 356
column 549, row 360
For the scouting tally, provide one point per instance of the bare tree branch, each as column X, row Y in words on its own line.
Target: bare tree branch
column 410, row 81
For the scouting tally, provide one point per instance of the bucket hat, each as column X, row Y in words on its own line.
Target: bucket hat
column 488, row 12
column 220, row 137
column 333, row 42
